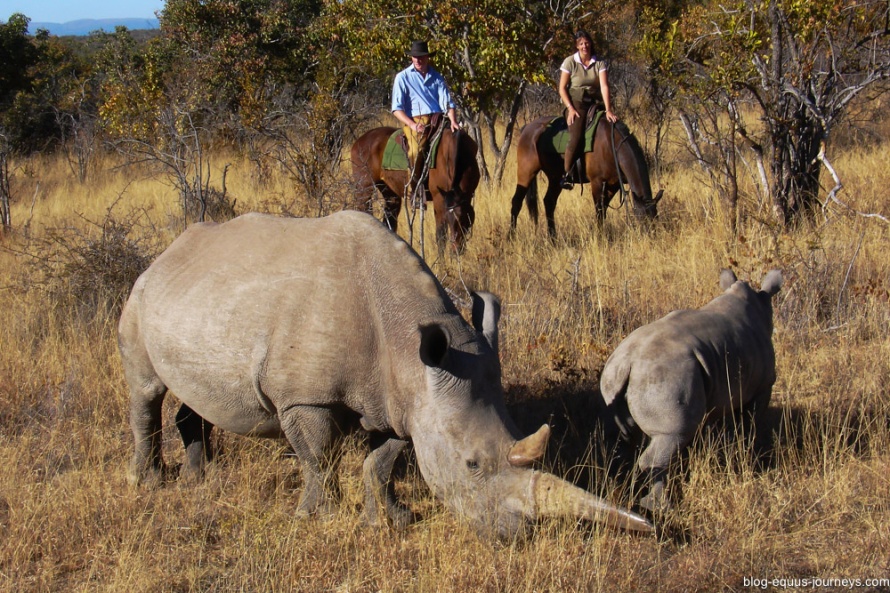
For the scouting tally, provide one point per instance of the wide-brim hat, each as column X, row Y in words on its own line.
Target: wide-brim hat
column 420, row 49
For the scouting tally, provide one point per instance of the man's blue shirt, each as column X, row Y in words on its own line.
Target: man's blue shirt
column 418, row 95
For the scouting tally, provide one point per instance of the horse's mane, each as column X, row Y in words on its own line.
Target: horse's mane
column 630, row 140
column 639, row 155
column 447, row 153
column 461, row 159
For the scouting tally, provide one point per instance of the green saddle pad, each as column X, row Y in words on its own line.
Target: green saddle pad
column 394, row 156
column 555, row 136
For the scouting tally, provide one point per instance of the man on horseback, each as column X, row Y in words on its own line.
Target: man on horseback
column 583, row 83
column 420, row 96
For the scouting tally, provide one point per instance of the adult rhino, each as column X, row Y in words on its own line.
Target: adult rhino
column 305, row 328
column 669, row 377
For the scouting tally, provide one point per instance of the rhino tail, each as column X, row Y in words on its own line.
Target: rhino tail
column 613, row 387
column 614, row 378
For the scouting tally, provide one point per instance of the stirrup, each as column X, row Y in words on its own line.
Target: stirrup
column 566, row 182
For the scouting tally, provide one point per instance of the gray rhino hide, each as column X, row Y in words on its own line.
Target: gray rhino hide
column 306, row 328
column 668, row 377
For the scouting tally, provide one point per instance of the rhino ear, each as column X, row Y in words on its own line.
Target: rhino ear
column 727, row 278
column 434, row 343
column 772, row 282
column 486, row 314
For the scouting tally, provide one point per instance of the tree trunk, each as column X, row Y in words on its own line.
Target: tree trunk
column 504, row 150
column 776, row 122
column 795, row 164
column 5, row 216
column 809, row 134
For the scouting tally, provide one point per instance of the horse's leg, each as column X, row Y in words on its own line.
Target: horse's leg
column 392, row 206
column 598, row 192
column 516, row 207
column 440, row 210
column 527, row 168
column 550, row 198
column 602, row 201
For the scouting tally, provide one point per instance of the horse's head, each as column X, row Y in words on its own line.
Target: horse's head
column 646, row 209
column 457, row 186
column 635, row 168
column 459, row 217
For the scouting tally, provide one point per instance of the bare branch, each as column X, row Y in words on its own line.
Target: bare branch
column 832, row 195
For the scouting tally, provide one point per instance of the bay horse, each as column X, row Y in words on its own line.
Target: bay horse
column 451, row 182
column 615, row 158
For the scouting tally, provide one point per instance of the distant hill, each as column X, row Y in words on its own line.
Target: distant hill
column 87, row 26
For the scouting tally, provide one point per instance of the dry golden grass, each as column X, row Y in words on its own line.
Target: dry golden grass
column 820, row 508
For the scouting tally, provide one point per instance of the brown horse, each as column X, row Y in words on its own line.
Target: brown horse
column 451, row 182
column 616, row 158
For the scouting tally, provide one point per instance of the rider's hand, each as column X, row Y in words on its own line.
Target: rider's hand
column 572, row 115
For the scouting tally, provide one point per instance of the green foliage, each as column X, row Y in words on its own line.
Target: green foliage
column 484, row 52
column 28, row 69
column 131, row 87
column 239, row 48
column 17, row 56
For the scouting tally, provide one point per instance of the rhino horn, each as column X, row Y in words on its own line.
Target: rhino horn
column 557, row 498
column 530, row 449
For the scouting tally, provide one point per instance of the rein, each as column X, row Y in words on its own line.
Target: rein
column 455, row 187
column 624, row 138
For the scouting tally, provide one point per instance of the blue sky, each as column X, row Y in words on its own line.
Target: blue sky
column 62, row 11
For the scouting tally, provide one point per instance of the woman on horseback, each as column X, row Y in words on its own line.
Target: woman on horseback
column 583, row 83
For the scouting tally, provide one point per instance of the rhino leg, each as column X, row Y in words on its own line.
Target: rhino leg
column 654, row 463
column 756, row 421
column 379, row 488
column 147, row 464
column 313, row 433
column 195, row 432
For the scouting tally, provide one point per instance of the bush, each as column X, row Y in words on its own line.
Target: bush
column 88, row 271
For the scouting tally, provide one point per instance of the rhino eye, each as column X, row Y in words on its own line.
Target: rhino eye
column 473, row 465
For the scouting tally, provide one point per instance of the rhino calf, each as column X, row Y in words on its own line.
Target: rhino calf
column 307, row 328
column 669, row 377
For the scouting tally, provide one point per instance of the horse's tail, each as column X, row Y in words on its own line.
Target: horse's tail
column 531, row 199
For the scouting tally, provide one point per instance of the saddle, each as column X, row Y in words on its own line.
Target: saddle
column 395, row 153
column 555, row 137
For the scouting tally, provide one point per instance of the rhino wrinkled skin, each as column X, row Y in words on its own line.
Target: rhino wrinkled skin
column 669, row 377
column 309, row 328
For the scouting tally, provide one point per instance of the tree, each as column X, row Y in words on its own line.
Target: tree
column 803, row 64
column 65, row 87
column 239, row 49
column 156, row 111
column 17, row 56
column 5, row 194
column 217, row 71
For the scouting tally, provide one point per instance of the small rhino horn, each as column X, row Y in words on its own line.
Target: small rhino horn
column 529, row 449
